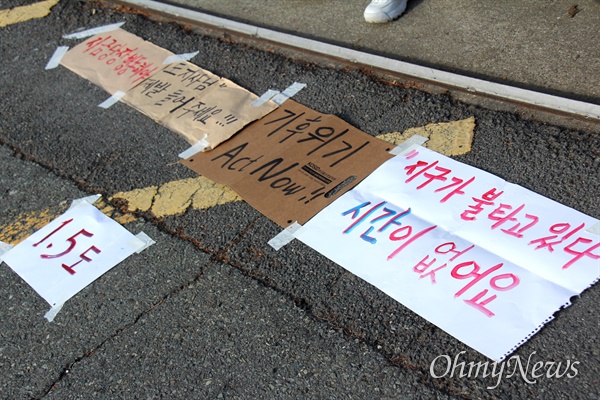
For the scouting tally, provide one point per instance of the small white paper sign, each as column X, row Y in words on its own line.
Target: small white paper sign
column 487, row 261
column 69, row 253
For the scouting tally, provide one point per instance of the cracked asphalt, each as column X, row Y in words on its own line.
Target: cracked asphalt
column 210, row 310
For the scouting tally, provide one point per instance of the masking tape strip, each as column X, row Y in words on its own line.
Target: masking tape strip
column 93, row 31
column 410, row 144
column 118, row 95
column 53, row 311
column 175, row 58
column 285, row 236
column 89, row 199
column 594, row 229
column 266, row 96
column 147, row 242
column 289, row 92
column 57, row 56
column 4, row 248
column 197, row 148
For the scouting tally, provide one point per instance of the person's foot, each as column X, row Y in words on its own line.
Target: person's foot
column 384, row 10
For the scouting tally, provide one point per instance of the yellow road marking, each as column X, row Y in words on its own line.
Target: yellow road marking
column 169, row 199
column 448, row 138
column 26, row 224
column 176, row 197
column 172, row 198
column 25, row 13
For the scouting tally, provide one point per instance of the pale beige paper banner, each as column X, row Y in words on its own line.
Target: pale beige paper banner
column 196, row 103
column 115, row 60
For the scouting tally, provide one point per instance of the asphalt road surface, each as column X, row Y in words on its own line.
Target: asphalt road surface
column 211, row 311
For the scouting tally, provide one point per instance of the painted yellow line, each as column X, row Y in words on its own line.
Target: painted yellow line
column 169, row 199
column 176, row 197
column 27, row 223
column 25, row 13
column 173, row 198
column 448, row 138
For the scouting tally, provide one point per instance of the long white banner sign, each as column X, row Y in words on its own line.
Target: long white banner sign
column 485, row 260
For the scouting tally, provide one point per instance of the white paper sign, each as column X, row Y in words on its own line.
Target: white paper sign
column 72, row 251
column 485, row 260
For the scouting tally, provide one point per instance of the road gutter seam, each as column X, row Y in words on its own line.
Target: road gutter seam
column 473, row 85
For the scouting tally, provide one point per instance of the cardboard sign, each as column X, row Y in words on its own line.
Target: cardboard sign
column 292, row 163
column 185, row 98
column 116, row 60
column 196, row 103
column 72, row 251
column 485, row 260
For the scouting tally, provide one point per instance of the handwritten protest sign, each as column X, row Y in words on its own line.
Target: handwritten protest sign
column 291, row 163
column 196, row 103
column 485, row 260
column 116, row 60
column 72, row 251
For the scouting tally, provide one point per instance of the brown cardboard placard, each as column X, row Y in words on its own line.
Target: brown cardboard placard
column 196, row 103
column 116, row 60
column 292, row 163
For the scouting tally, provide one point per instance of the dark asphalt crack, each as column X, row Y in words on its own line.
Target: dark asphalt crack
column 66, row 370
column 221, row 257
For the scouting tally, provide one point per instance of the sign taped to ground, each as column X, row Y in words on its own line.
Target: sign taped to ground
column 196, row 103
column 72, row 251
column 487, row 261
column 116, row 60
column 293, row 162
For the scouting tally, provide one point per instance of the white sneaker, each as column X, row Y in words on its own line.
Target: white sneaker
column 384, row 10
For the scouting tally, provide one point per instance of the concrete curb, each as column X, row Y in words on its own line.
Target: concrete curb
column 472, row 85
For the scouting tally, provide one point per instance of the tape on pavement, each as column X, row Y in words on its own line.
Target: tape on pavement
column 197, row 148
column 147, row 240
column 4, row 248
column 57, row 56
column 112, row 99
column 89, row 199
column 175, row 58
column 289, row 92
column 51, row 314
column 409, row 145
column 285, row 236
column 594, row 229
column 266, row 96
column 93, row 31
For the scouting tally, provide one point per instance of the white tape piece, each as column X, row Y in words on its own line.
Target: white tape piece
column 112, row 99
column 285, row 236
column 53, row 311
column 93, row 31
column 147, row 240
column 409, row 145
column 266, row 96
column 289, row 92
column 594, row 229
column 4, row 248
column 56, row 57
column 197, row 148
column 175, row 58
column 89, row 199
